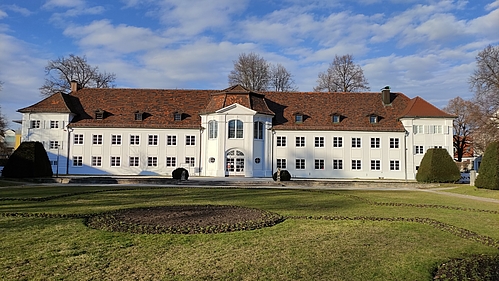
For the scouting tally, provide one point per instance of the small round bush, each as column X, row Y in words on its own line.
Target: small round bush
column 285, row 175
column 488, row 173
column 177, row 173
column 438, row 166
column 29, row 160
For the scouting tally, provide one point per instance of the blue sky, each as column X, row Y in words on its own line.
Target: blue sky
column 420, row 48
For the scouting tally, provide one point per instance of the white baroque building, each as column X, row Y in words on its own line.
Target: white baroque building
column 236, row 132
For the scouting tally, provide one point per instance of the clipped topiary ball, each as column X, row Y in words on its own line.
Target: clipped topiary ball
column 29, row 160
column 177, row 174
column 438, row 166
column 488, row 176
column 285, row 176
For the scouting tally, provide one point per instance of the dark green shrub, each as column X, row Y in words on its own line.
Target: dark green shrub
column 177, row 173
column 437, row 166
column 488, row 173
column 285, row 175
column 29, row 160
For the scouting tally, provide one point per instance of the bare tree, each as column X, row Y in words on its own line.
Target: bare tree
column 281, row 80
column 465, row 124
column 485, row 83
column 342, row 76
column 251, row 71
column 63, row 70
column 3, row 126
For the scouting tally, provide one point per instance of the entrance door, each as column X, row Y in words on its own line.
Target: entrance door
column 235, row 163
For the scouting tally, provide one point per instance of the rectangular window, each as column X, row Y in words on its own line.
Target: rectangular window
column 375, row 165
column 96, row 161
column 356, row 165
column 418, row 129
column 96, row 139
column 153, row 140
column 152, row 161
column 319, row 142
column 435, row 129
column 394, row 165
column 115, row 161
column 134, row 161
column 116, row 139
column 35, row 124
column 190, row 161
column 54, row 145
column 356, row 143
column 375, row 142
column 171, row 161
column 300, row 141
column 171, row 140
column 190, row 140
column 418, row 149
column 281, row 141
column 337, row 141
column 78, row 139
column 53, row 162
column 319, row 164
column 134, row 139
column 337, row 164
column 54, row 124
column 77, row 161
column 394, row 143
column 281, row 163
column 300, row 164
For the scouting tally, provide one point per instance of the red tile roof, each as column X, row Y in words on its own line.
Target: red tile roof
column 418, row 107
column 159, row 106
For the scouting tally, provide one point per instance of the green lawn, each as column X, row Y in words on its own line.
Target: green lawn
column 329, row 235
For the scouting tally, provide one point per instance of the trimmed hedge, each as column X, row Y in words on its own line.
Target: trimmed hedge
column 438, row 166
column 177, row 173
column 285, row 176
column 29, row 160
column 488, row 173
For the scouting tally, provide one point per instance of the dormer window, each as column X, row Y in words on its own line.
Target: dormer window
column 373, row 119
column 99, row 114
column 335, row 118
column 139, row 116
column 177, row 116
column 299, row 118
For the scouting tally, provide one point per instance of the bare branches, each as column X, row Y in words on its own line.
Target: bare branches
column 63, row 70
column 342, row 76
column 255, row 73
column 281, row 80
column 485, row 79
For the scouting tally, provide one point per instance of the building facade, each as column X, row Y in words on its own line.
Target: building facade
column 236, row 132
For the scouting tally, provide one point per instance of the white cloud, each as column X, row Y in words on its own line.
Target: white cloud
column 122, row 38
column 50, row 4
column 3, row 14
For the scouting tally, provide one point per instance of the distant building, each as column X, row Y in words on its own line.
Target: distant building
column 237, row 132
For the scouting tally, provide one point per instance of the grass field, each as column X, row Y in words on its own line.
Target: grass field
column 328, row 235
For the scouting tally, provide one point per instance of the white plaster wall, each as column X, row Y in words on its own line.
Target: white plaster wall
column 365, row 153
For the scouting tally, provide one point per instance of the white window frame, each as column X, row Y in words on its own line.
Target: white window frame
column 115, row 161
column 134, row 161
column 115, row 139
column 375, row 165
column 152, row 140
column 77, row 161
column 319, row 142
column 375, row 142
column 212, row 129
column 78, row 139
column 356, row 142
column 53, row 144
column 418, row 149
column 337, row 164
column 356, row 164
column 190, row 140
column 97, row 139
column 281, row 141
column 171, row 140
column 394, row 165
column 258, row 130
column 300, row 141
column 152, row 161
column 54, row 124
column 319, row 164
column 171, row 161
column 134, row 139
column 236, row 129
column 281, row 163
column 34, row 124
column 300, row 164
column 191, row 161
column 337, row 142
column 96, row 161
column 394, row 143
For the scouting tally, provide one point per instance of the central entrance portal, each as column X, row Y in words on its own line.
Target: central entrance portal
column 235, row 163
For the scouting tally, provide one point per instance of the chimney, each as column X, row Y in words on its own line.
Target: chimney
column 74, row 86
column 386, row 96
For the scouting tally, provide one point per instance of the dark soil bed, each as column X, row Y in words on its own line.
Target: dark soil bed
column 184, row 219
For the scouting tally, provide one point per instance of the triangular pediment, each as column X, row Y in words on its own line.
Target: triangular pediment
column 236, row 109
